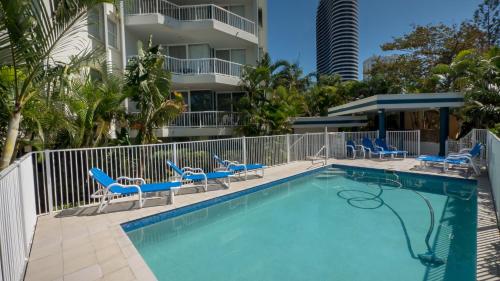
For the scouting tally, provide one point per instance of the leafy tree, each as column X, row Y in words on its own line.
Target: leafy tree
column 274, row 95
column 148, row 84
column 478, row 75
column 487, row 18
column 33, row 33
column 79, row 113
column 323, row 95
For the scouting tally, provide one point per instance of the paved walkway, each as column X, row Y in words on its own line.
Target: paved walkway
column 77, row 244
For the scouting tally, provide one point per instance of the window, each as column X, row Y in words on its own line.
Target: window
column 112, row 34
column 236, row 9
column 202, row 101
column 261, row 18
column 199, row 51
column 238, row 56
column 224, row 102
column 93, row 23
column 178, row 52
column 229, row 101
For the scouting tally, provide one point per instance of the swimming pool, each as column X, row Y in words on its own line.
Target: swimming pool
column 337, row 223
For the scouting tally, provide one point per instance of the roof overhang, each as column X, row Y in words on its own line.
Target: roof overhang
column 330, row 122
column 399, row 102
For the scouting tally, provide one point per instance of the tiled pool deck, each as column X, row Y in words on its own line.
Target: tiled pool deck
column 80, row 245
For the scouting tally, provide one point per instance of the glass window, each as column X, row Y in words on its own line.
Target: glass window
column 178, row 52
column 202, row 101
column 238, row 9
column 223, row 54
column 238, row 56
column 224, row 102
column 261, row 18
column 94, row 23
column 201, row 51
column 112, row 34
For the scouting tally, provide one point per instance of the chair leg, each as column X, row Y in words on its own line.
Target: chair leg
column 141, row 203
column 171, row 195
column 103, row 203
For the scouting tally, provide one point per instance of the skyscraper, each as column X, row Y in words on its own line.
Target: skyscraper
column 337, row 36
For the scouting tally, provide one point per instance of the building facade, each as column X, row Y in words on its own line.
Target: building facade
column 206, row 44
column 337, row 38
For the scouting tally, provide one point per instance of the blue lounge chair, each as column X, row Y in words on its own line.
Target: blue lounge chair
column 352, row 148
column 372, row 150
column 382, row 145
column 197, row 175
column 237, row 168
column 464, row 158
column 123, row 186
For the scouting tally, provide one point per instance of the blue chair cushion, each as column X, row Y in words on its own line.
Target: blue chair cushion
column 440, row 159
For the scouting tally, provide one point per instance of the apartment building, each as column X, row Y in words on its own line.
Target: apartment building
column 206, row 45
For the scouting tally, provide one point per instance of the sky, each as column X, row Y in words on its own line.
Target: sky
column 292, row 24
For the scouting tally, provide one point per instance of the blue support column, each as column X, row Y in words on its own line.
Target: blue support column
column 381, row 123
column 444, row 128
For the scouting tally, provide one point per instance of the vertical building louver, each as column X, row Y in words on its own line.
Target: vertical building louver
column 337, row 32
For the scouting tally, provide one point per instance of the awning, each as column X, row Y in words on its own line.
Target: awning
column 330, row 122
column 399, row 102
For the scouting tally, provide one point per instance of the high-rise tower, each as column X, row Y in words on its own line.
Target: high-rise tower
column 337, row 37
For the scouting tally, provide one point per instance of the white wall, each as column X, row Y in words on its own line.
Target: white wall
column 493, row 148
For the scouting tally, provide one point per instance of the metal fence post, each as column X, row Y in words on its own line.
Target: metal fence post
column 49, row 181
column 327, row 146
column 288, row 148
column 244, row 149
column 174, row 152
column 21, row 200
column 418, row 141
column 344, row 148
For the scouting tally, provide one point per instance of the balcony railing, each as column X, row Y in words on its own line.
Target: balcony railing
column 207, row 119
column 190, row 13
column 203, row 66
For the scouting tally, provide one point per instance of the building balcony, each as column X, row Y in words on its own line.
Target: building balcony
column 204, row 72
column 199, row 124
column 206, row 20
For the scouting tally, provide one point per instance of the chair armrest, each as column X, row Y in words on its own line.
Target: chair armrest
column 350, row 146
column 141, row 180
column 235, row 164
column 459, row 157
column 464, row 150
column 192, row 173
column 124, row 186
column 194, row 170
column 459, row 154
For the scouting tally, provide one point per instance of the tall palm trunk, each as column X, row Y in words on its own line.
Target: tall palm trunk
column 10, row 142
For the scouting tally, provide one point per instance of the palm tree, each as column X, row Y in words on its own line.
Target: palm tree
column 478, row 75
column 148, row 84
column 33, row 33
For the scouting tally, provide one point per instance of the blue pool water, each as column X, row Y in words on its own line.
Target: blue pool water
column 338, row 223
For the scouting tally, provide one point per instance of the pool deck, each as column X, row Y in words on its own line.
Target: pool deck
column 79, row 244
